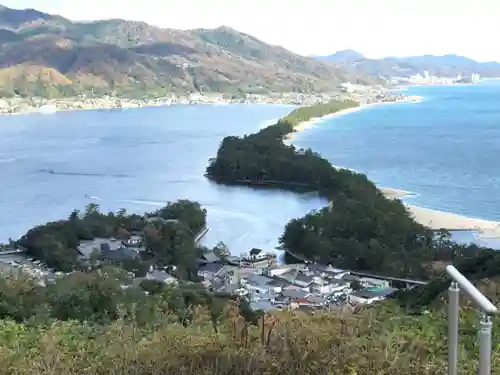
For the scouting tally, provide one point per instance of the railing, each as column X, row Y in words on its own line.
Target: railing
column 487, row 309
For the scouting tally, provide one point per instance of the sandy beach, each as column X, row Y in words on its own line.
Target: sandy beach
column 392, row 193
column 315, row 120
column 436, row 220
column 304, row 125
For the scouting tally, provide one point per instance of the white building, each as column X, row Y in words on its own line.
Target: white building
column 195, row 97
column 257, row 258
column 370, row 296
column 364, row 298
column 348, row 87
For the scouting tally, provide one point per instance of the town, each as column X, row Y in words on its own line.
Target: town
column 363, row 94
column 428, row 79
column 256, row 276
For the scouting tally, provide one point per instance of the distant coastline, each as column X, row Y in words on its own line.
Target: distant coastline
column 369, row 94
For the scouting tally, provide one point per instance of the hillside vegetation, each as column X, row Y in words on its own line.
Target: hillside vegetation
column 88, row 322
column 376, row 340
column 122, row 56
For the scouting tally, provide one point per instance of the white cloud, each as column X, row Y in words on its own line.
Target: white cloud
column 374, row 27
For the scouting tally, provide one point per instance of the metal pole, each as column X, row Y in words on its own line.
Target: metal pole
column 453, row 296
column 485, row 344
column 465, row 285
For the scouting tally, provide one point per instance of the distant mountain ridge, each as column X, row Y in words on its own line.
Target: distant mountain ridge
column 51, row 55
column 444, row 66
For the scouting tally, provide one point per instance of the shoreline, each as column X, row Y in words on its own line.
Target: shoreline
column 304, row 125
column 36, row 111
column 436, row 219
column 431, row 218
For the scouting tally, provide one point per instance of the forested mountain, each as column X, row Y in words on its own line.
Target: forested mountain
column 39, row 49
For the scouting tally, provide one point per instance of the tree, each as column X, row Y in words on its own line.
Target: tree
column 123, row 234
column 221, row 250
column 187, row 212
column 443, row 243
column 138, row 267
column 95, row 258
column 91, row 210
column 85, row 297
column 356, row 285
column 172, row 244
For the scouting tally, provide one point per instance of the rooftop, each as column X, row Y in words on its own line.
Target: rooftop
column 210, row 257
column 211, row 267
column 259, row 279
column 373, row 293
column 295, row 294
column 255, row 251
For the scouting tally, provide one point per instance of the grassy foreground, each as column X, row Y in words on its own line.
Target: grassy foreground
column 378, row 340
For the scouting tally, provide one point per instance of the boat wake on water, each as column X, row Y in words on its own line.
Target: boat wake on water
column 51, row 171
column 92, row 197
column 144, row 202
column 9, row 160
column 132, row 201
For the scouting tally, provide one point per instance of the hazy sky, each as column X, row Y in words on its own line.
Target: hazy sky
column 376, row 28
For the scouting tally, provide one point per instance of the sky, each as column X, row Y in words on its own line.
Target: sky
column 376, row 28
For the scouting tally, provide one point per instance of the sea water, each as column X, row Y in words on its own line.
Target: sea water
column 445, row 149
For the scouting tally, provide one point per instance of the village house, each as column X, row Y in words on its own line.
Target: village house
column 260, row 284
column 303, row 280
column 309, row 301
column 298, row 278
column 348, row 278
column 294, row 294
column 209, row 257
column 279, row 270
column 133, row 241
column 233, row 260
column 108, row 249
column 209, row 271
column 257, row 258
column 370, row 296
column 289, row 275
column 325, row 271
column 312, row 302
column 326, row 286
column 119, row 255
column 368, row 282
column 228, row 275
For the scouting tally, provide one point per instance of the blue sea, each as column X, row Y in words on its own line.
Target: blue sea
column 138, row 159
column 444, row 149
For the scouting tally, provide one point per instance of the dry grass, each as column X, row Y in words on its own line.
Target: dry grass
column 376, row 341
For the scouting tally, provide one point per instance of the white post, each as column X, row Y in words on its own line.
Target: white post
column 453, row 309
column 485, row 345
column 460, row 282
